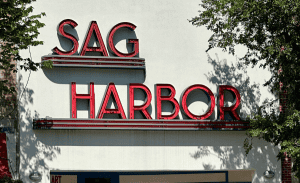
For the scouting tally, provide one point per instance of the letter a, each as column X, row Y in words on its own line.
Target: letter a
column 100, row 44
column 111, row 90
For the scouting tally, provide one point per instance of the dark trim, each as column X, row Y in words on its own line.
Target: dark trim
column 114, row 175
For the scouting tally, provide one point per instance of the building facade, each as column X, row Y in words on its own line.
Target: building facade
column 134, row 97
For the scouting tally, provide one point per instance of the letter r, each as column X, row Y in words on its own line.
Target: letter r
column 90, row 96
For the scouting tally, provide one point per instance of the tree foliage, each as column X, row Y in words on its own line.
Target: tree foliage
column 18, row 30
column 9, row 180
column 270, row 30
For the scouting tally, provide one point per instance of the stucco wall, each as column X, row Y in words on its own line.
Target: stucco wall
column 174, row 52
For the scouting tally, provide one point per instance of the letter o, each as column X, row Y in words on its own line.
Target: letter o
column 184, row 105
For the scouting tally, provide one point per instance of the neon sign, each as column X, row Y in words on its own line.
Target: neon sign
column 128, row 60
column 111, row 91
column 93, row 28
column 70, row 59
column 165, row 122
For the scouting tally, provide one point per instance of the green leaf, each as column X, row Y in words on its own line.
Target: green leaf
column 47, row 64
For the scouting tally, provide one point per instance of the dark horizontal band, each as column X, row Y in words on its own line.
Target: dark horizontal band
column 136, row 124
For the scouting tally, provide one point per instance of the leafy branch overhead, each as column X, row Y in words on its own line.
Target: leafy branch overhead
column 270, row 30
column 18, row 30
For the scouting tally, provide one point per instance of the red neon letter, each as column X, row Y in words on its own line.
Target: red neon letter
column 135, row 42
column 100, row 45
column 142, row 108
column 231, row 109
column 90, row 97
column 170, row 98
column 111, row 90
column 185, row 108
column 67, row 35
column 57, row 179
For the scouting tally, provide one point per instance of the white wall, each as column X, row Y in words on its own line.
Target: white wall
column 174, row 51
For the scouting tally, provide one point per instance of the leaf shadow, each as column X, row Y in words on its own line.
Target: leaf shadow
column 236, row 76
column 34, row 155
column 221, row 156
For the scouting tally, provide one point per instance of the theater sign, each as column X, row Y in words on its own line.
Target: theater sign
column 128, row 61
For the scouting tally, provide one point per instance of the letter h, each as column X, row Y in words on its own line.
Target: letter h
column 90, row 97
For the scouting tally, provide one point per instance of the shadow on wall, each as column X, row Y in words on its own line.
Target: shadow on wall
column 236, row 76
column 33, row 154
column 263, row 155
column 61, row 75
